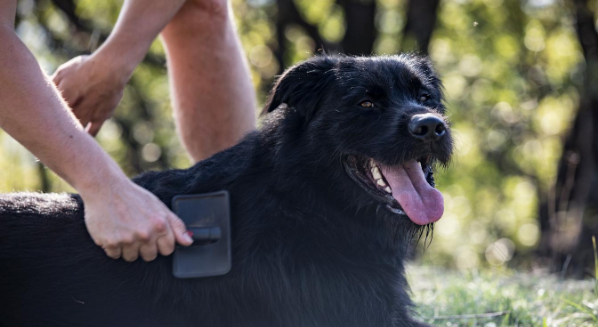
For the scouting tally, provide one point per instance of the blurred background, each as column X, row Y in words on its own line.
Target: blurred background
column 521, row 86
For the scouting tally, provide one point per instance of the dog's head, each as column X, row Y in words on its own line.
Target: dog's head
column 382, row 116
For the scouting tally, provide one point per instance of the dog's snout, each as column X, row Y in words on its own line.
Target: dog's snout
column 427, row 127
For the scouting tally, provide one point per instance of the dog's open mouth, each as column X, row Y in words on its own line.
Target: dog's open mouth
column 406, row 189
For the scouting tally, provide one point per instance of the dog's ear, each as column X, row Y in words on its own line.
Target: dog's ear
column 303, row 86
column 424, row 65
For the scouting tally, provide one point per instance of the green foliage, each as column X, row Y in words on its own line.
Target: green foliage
column 509, row 71
column 509, row 67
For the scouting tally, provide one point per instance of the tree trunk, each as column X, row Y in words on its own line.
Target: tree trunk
column 421, row 20
column 569, row 216
column 360, row 32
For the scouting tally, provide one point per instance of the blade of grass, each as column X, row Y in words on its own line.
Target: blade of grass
column 473, row 316
column 582, row 309
column 595, row 265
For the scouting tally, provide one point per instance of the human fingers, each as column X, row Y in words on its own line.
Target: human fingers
column 70, row 95
column 62, row 71
column 166, row 241
column 94, row 127
column 162, row 236
column 166, row 244
column 57, row 77
column 130, row 252
column 113, row 252
column 74, row 101
column 149, row 251
column 179, row 230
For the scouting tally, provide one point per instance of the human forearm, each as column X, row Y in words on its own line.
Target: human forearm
column 93, row 85
column 32, row 111
column 122, row 218
column 139, row 22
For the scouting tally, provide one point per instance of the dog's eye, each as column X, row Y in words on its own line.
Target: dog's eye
column 367, row 104
column 424, row 97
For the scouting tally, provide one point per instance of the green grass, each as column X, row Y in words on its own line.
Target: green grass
column 595, row 265
column 501, row 298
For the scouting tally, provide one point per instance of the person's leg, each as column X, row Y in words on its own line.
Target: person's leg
column 211, row 89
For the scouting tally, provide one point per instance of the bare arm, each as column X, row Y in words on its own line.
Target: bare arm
column 121, row 217
column 93, row 85
column 139, row 23
column 31, row 111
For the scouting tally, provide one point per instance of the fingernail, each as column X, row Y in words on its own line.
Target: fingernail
column 190, row 233
column 187, row 237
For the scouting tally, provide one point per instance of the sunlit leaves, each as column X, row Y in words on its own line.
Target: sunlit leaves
column 509, row 83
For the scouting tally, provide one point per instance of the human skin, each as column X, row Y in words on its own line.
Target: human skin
column 212, row 94
column 121, row 217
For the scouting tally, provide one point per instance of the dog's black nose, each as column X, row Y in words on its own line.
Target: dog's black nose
column 427, row 127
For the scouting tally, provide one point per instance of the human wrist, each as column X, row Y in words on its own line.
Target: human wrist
column 117, row 63
column 123, row 51
column 102, row 177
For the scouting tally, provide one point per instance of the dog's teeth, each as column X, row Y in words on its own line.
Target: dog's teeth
column 376, row 173
column 387, row 189
column 380, row 182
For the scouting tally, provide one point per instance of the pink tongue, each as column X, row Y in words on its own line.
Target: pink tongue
column 421, row 202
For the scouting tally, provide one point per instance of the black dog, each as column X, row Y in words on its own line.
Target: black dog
column 325, row 199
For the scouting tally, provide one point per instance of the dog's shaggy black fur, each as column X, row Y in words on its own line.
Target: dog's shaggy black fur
column 310, row 246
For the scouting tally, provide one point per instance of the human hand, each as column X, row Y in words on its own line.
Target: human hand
column 93, row 87
column 127, row 221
